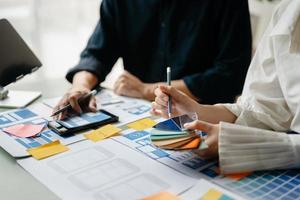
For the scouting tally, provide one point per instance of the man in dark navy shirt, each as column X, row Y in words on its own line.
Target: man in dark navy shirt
column 207, row 43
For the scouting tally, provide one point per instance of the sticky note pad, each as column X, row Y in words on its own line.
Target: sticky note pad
column 212, row 194
column 162, row 195
column 102, row 133
column 47, row 150
column 142, row 124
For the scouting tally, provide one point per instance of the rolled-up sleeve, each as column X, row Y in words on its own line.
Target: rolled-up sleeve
column 223, row 81
column 244, row 149
column 101, row 51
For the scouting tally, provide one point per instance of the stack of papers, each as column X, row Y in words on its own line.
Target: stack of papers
column 171, row 135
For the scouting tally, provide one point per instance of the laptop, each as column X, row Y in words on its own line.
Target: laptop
column 16, row 61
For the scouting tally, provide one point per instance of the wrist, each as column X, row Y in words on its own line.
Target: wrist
column 148, row 90
column 78, row 87
column 84, row 80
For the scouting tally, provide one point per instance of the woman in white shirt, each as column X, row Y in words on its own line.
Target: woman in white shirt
column 252, row 134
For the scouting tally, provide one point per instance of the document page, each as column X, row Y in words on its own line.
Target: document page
column 105, row 170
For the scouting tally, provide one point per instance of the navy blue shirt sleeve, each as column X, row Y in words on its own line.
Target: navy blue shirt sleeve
column 101, row 51
column 224, row 79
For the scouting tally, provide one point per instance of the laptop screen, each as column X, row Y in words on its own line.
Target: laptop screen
column 16, row 58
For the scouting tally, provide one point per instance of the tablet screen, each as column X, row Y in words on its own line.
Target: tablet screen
column 84, row 119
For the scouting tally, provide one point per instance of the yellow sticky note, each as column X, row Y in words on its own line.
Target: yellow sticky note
column 102, row 133
column 162, row 196
column 212, row 194
column 47, row 150
column 142, row 124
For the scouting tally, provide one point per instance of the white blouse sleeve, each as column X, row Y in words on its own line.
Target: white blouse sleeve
column 245, row 149
column 269, row 105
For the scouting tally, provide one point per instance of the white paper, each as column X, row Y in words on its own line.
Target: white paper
column 105, row 170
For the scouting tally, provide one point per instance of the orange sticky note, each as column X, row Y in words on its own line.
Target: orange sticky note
column 142, row 124
column 212, row 194
column 238, row 176
column 162, row 196
column 102, row 133
column 47, row 150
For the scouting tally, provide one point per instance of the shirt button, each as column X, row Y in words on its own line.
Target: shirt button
column 163, row 25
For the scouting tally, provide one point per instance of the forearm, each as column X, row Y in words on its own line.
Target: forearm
column 180, row 85
column 215, row 114
column 84, row 79
column 210, row 113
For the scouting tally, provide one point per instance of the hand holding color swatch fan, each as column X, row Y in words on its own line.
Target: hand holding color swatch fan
column 171, row 135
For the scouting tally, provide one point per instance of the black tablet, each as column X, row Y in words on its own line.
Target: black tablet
column 84, row 121
column 16, row 58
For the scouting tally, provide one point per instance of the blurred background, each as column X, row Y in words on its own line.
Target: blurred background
column 57, row 31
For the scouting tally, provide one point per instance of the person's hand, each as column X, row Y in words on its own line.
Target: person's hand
column 72, row 96
column 181, row 103
column 211, row 140
column 129, row 85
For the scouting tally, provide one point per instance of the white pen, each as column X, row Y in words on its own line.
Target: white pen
column 169, row 100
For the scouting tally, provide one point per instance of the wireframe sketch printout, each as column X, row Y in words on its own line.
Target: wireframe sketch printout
column 17, row 146
column 185, row 162
column 276, row 184
column 105, row 170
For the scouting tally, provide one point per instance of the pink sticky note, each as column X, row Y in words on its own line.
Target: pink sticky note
column 24, row 130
